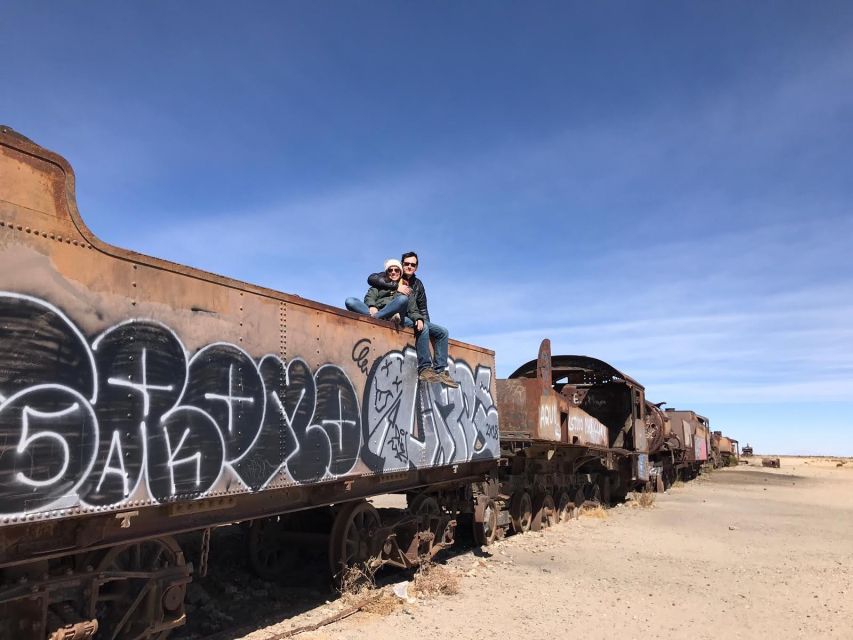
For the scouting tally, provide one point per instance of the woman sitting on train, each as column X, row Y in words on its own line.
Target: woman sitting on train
column 387, row 304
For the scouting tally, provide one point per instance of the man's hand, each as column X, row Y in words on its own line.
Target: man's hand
column 373, row 311
column 419, row 325
column 404, row 289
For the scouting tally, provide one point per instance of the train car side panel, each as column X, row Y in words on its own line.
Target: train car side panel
column 129, row 382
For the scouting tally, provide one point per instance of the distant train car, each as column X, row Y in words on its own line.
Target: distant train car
column 141, row 398
column 682, row 444
column 728, row 450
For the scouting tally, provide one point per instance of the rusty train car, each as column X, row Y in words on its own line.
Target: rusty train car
column 141, row 399
column 144, row 403
column 572, row 430
column 725, row 450
column 681, row 445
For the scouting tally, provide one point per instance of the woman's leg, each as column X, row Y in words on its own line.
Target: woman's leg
column 398, row 305
column 354, row 304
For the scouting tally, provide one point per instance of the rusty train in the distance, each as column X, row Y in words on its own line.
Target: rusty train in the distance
column 144, row 403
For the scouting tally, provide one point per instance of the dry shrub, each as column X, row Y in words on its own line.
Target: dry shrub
column 595, row 511
column 357, row 586
column 434, row 580
column 678, row 484
column 644, row 500
column 383, row 603
column 355, row 582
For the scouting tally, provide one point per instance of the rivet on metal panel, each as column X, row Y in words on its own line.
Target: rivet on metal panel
column 28, row 230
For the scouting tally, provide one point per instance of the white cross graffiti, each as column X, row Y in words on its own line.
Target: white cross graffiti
column 142, row 387
column 230, row 399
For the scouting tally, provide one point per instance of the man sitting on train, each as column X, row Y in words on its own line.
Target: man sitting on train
column 386, row 303
column 429, row 369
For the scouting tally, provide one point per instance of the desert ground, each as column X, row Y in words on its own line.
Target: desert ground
column 746, row 552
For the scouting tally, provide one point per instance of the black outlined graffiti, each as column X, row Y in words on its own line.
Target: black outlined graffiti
column 141, row 374
column 361, row 353
column 133, row 417
column 48, row 431
column 453, row 425
column 338, row 415
column 49, row 437
column 224, row 382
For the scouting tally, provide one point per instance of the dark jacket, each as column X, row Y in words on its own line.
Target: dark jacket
column 380, row 281
column 379, row 298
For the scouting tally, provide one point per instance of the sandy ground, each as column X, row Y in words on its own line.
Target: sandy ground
column 745, row 552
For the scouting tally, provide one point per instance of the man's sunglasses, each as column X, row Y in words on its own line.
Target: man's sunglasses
column 410, row 264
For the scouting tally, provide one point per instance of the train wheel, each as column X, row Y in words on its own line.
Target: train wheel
column 351, row 542
column 270, row 553
column 486, row 532
column 565, row 508
column 593, row 493
column 545, row 515
column 132, row 600
column 429, row 512
column 521, row 511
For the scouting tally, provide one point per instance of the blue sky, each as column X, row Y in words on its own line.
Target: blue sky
column 667, row 186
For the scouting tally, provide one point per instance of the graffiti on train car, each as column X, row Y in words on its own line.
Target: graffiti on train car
column 549, row 418
column 132, row 415
column 585, row 429
column 452, row 425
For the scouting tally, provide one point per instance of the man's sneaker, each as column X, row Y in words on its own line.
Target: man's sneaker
column 428, row 375
column 445, row 379
column 398, row 322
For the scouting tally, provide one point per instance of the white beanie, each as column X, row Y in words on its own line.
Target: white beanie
column 393, row 262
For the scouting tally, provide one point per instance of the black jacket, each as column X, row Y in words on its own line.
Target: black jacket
column 379, row 281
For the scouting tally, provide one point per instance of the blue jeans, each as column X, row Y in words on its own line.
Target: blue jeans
column 422, row 340
column 398, row 305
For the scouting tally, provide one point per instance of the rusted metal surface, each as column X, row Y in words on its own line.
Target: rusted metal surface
column 656, row 424
column 132, row 384
column 693, row 432
column 530, row 406
column 701, row 441
column 596, row 403
column 570, row 425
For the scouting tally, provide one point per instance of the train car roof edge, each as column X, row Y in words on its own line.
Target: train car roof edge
column 528, row 369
